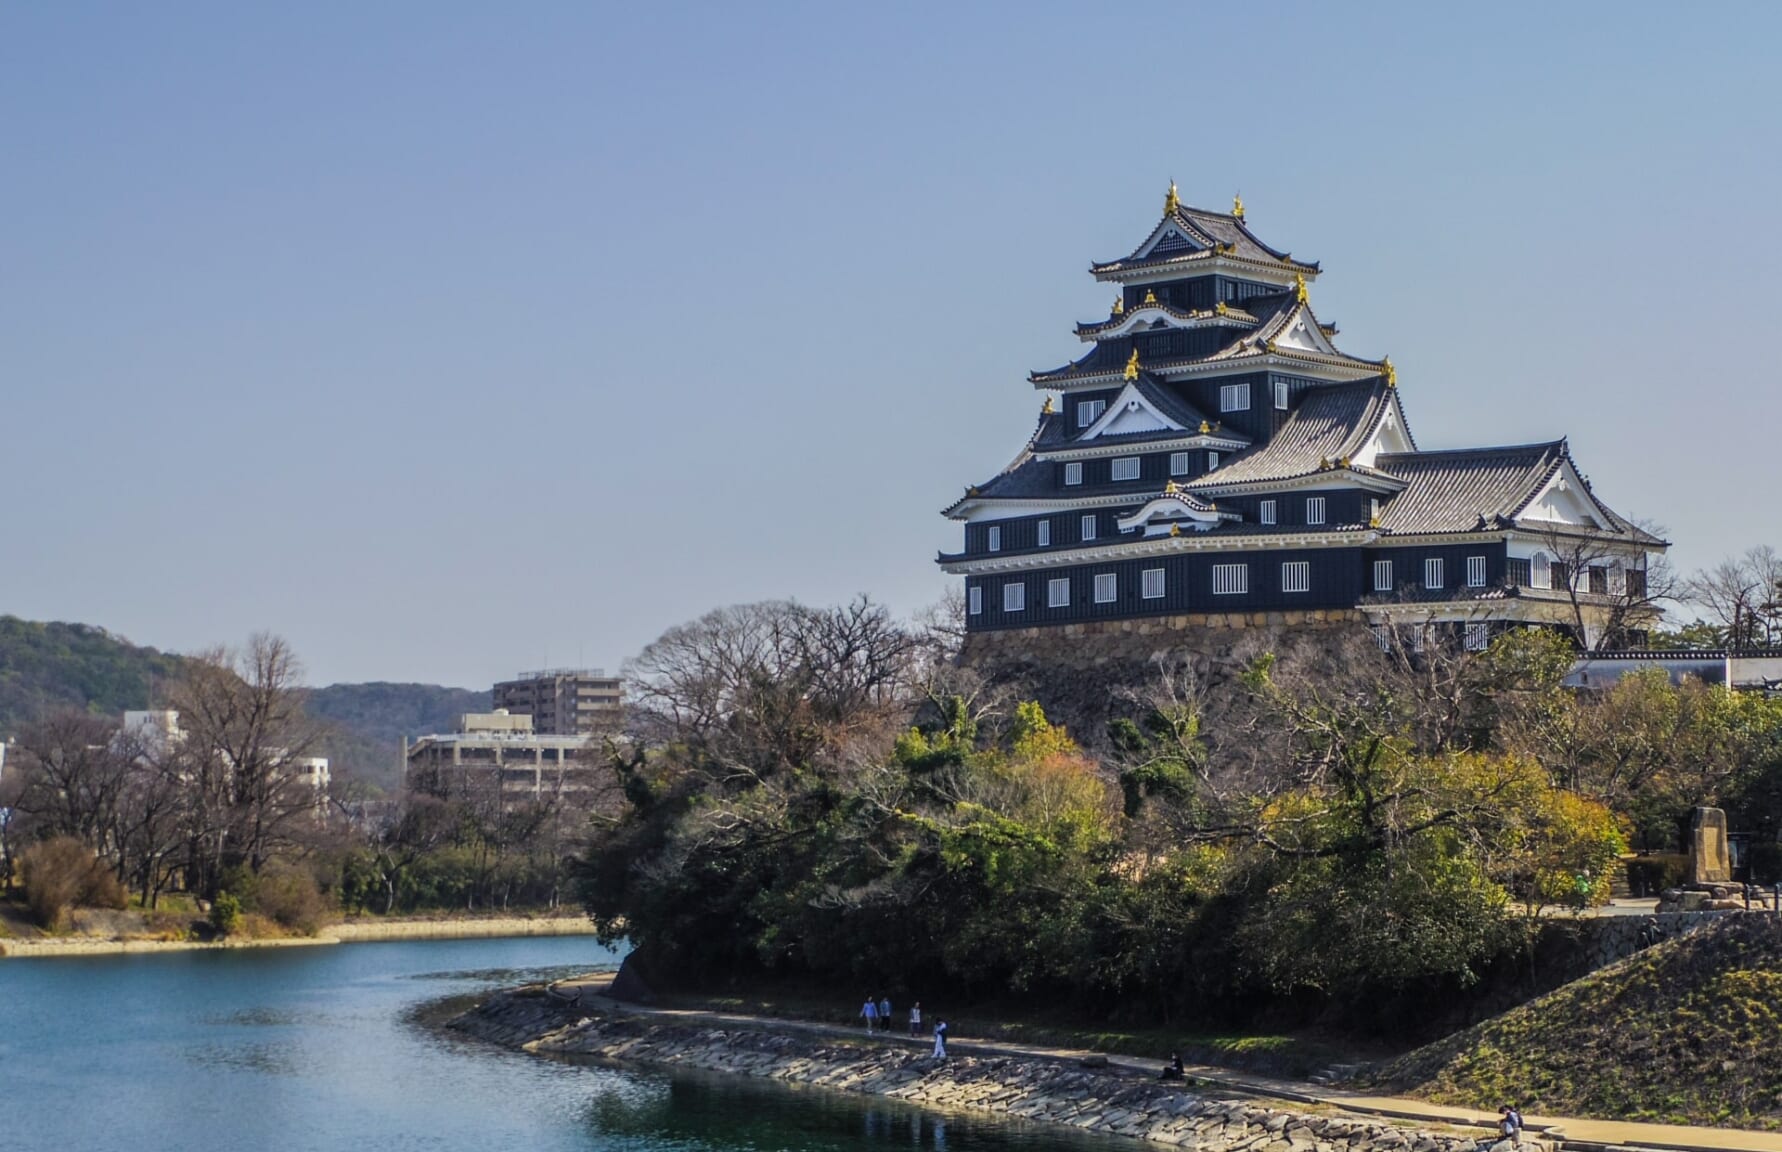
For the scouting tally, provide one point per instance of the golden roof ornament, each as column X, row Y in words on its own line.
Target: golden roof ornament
column 1175, row 529
column 1171, row 202
column 1120, row 305
column 1132, row 365
column 1150, row 296
column 1170, row 488
column 1046, row 408
column 1389, row 372
column 1220, row 308
column 1237, row 206
column 1205, row 427
column 1299, row 287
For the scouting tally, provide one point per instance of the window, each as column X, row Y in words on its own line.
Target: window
column 1234, row 397
column 1042, row 533
column 1014, row 597
column 1126, row 468
column 1089, row 411
column 1231, row 579
column 1212, row 461
column 1296, row 576
column 1599, row 579
column 1178, row 463
column 1432, row 572
column 1280, row 395
column 1382, row 575
column 1382, row 637
column 974, row 598
column 1107, row 587
column 1151, row 584
column 1475, row 571
column 1518, row 573
column 1089, row 526
column 1073, row 473
column 1266, row 513
column 1559, row 574
column 1636, row 582
column 993, row 538
column 1058, row 592
column 1478, row 637
column 1314, row 509
column 1617, row 580
column 1373, row 510
column 1540, row 571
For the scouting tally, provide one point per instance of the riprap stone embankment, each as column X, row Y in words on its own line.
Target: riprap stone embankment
column 1034, row 1089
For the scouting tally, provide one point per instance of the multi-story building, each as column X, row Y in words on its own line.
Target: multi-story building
column 563, row 701
column 497, row 755
column 1215, row 457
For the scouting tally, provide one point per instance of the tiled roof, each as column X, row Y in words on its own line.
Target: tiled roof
column 1219, row 229
column 1055, row 432
column 1466, row 489
column 1329, row 423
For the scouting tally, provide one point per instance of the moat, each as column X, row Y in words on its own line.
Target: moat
column 318, row 1049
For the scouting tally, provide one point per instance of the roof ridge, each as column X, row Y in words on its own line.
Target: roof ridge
column 1548, row 445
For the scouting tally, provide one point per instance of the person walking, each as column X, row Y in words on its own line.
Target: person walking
column 884, row 1013
column 916, row 1018
column 871, row 1012
column 940, row 1040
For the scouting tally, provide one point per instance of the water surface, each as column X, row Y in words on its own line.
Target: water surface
column 315, row 1049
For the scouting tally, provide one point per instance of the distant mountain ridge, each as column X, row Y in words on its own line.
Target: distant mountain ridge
column 51, row 667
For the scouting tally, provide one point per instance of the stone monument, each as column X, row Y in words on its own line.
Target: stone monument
column 1709, row 861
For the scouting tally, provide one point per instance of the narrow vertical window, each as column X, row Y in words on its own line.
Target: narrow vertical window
column 1107, row 587
column 1178, row 463
column 1296, row 576
column 1014, row 597
column 1478, row 637
column 1314, row 509
column 1042, row 534
column 1151, row 583
column 1126, row 468
column 1089, row 526
column 1231, row 579
column 1234, row 397
column 1212, row 461
column 1432, row 572
column 1382, row 575
column 993, row 538
column 1280, row 395
column 1475, row 571
column 974, row 598
column 1089, row 411
column 1073, row 473
column 1058, row 592
column 1266, row 513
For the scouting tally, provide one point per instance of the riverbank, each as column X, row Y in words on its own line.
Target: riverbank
column 1096, row 1097
column 346, row 932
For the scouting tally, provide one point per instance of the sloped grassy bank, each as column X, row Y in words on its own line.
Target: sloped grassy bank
column 1046, row 1091
column 1684, row 1032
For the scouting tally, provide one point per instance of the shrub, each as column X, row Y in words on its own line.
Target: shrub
column 290, row 898
column 61, row 874
column 225, row 913
column 1766, row 862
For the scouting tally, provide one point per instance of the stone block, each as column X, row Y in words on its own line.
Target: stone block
column 1709, row 860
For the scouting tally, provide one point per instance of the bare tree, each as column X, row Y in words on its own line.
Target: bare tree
column 1608, row 599
column 75, row 769
column 1741, row 597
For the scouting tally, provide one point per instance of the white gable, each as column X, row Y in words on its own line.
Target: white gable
column 1302, row 332
column 1167, row 512
column 1130, row 412
column 1168, row 239
column 1390, row 437
column 1565, row 500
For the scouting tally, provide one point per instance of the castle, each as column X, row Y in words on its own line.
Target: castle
column 1215, row 457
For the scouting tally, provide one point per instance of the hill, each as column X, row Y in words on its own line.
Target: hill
column 368, row 722
column 1683, row 1032
column 47, row 668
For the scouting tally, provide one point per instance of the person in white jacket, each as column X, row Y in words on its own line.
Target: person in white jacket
column 940, row 1040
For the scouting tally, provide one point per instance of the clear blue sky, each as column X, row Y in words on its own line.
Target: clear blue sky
column 450, row 339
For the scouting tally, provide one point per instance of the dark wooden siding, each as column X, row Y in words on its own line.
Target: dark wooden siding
column 1407, row 565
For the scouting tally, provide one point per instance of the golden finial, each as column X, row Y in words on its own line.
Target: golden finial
column 1342, row 461
column 1269, row 346
column 1220, row 308
column 1120, row 305
column 1323, row 463
column 1373, row 521
column 1170, row 488
column 1389, row 372
column 1237, row 206
column 1299, row 287
column 1132, row 365
column 1205, row 427
column 1175, row 529
column 1046, row 408
column 1150, row 296
column 1171, row 202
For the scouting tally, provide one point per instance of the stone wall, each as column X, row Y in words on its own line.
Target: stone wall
column 1048, row 1091
column 1097, row 643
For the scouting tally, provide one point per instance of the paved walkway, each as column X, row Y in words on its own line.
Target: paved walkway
column 1569, row 1131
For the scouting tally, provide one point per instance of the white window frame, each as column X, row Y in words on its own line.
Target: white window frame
column 1014, row 596
column 1107, row 587
column 1475, row 571
column 1058, row 592
column 1178, row 463
column 1073, row 473
column 1234, row 397
column 1296, row 576
column 1540, row 571
column 1382, row 575
column 1124, row 468
column 1212, row 461
column 1382, row 637
column 1231, row 579
column 1433, row 575
column 993, row 538
column 1152, row 584
column 1042, row 534
column 1086, row 526
column 1477, row 637
column 974, row 601
column 1315, row 510
column 1280, row 395
column 1089, row 411
column 1265, row 513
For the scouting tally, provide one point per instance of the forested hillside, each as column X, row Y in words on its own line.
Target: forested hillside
column 370, row 720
